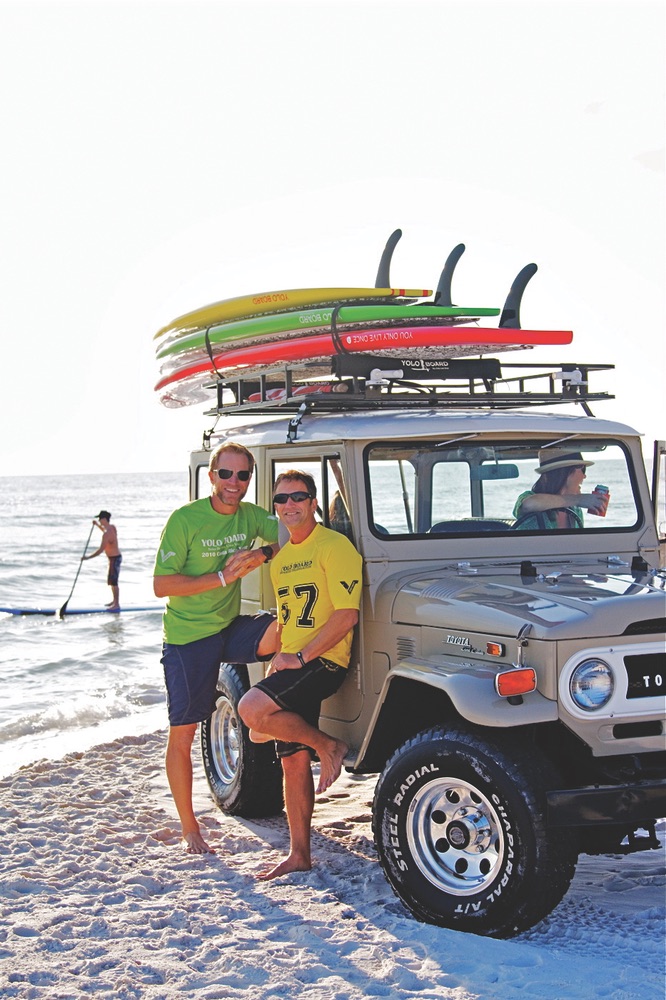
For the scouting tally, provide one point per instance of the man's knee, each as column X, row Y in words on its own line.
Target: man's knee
column 253, row 706
column 181, row 737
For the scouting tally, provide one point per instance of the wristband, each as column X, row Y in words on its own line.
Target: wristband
column 223, row 582
column 300, row 657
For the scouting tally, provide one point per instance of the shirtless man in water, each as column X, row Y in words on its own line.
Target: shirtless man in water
column 110, row 548
column 317, row 580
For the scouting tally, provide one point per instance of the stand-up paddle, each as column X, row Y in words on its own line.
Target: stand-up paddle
column 62, row 610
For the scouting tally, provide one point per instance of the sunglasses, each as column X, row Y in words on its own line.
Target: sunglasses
column 243, row 475
column 298, row 497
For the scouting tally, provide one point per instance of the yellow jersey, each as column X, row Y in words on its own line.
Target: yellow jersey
column 312, row 580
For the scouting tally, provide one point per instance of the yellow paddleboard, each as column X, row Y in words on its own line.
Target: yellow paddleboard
column 275, row 302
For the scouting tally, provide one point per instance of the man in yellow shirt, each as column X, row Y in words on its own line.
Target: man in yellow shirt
column 317, row 581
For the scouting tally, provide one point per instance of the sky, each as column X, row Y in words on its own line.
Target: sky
column 157, row 157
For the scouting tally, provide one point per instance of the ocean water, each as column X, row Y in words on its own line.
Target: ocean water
column 72, row 683
column 69, row 684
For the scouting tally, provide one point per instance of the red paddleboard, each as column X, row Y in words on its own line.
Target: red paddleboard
column 185, row 386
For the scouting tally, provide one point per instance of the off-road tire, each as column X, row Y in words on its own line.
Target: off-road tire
column 459, row 825
column 245, row 778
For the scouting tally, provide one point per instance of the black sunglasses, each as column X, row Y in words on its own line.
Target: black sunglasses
column 243, row 475
column 298, row 497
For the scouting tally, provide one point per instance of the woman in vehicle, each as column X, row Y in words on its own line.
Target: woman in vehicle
column 556, row 500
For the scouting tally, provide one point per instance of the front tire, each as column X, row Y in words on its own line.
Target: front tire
column 245, row 778
column 459, row 825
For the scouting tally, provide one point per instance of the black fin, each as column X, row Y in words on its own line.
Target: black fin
column 383, row 279
column 510, row 318
column 443, row 293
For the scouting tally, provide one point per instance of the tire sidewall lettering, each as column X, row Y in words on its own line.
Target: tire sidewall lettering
column 394, row 823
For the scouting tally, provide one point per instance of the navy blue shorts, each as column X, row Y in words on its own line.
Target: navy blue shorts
column 114, row 570
column 191, row 670
column 302, row 691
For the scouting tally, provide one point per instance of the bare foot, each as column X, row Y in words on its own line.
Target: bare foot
column 112, row 607
column 291, row 864
column 331, row 765
column 195, row 844
column 256, row 737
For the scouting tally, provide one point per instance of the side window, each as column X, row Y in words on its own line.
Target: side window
column 338, row 513
column 332, row 491
column 203, row 482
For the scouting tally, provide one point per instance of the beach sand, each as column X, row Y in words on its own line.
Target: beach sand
column 98, row 897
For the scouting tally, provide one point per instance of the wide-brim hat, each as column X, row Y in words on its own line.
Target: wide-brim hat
column 559, row 458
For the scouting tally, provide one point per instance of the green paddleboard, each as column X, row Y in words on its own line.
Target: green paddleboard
column 306, row 321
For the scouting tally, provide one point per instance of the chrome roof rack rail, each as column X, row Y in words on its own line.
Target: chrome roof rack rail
column 363, row 381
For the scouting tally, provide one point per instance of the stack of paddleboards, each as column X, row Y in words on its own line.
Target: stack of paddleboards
column 256, row 332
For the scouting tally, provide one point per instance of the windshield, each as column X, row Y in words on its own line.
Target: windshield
column 424, row 488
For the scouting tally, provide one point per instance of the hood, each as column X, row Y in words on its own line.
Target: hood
column 561, row 606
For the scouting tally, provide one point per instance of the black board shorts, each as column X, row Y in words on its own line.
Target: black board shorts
column 302, row 691
column 191, row 669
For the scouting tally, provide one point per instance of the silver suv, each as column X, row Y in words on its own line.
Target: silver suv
column 508, row 679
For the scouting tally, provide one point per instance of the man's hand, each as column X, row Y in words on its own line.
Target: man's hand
column 284, row 661
column 243, row 562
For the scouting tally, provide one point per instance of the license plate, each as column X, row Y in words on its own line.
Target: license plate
column 646, row 675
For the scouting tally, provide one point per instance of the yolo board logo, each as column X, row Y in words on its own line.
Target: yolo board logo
column 213, row 547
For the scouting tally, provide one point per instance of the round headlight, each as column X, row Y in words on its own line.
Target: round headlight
column 592, row 684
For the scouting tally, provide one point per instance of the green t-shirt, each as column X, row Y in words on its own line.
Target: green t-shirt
column 197, row 540
column 312, row 580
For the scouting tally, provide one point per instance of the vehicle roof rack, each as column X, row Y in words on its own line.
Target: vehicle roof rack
column 364, row 381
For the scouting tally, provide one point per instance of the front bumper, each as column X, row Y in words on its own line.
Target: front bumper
column 595, row 805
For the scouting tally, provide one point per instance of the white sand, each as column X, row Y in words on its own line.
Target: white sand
column 98, row 897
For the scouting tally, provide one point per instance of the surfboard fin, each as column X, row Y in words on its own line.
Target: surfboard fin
column 443, row 294
column 510, row 318
column 384, row 272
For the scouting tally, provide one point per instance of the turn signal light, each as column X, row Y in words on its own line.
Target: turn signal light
column 514, row 682
column 494, row 649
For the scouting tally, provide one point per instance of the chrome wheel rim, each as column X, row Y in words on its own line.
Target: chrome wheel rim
column 225, row 740
column 455, row 836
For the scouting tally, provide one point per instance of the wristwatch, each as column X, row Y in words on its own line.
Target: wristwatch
column 268, row 552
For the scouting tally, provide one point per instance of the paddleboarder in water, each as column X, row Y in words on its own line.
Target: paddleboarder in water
column 110, row 547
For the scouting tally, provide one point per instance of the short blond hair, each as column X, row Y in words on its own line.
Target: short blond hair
column 233, row 446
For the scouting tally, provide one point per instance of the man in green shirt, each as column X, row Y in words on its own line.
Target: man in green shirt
column 205, row 550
